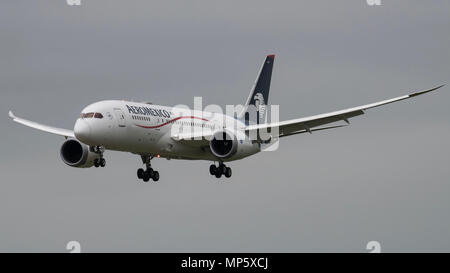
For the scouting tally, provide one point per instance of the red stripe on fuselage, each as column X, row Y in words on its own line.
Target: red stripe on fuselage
column 170, row 121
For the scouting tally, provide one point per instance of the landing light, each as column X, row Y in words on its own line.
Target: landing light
column 158, row 156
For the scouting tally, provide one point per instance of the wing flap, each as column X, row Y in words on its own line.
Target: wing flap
column 313, row 130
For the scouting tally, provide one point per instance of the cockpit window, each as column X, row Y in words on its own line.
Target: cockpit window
column 91, row 115
column 87, row 115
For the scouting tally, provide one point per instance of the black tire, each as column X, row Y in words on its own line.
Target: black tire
column 212, row 169
column 140, row 173
column 145, row 177
column 223, row 169
column 228, row 172
column 96, row 163
column 150, row 172
column 155, row 176
column 102, row 162
column 218, row 173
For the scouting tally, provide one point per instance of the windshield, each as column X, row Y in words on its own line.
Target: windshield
column 91, row 115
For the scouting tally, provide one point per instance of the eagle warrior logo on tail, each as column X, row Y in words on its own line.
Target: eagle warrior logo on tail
column 260, row 106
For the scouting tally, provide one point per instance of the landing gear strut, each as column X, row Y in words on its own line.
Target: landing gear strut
column 100, row 161
column 149, row 173
column 219, row 170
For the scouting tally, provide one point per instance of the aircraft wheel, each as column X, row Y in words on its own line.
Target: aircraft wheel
column 102, row 162
column 96, row 163
column 223, row 168
column 228, row 172
column 140, row 173
column 145, row 177
column 150, row 172
column 218, row 173
column 212, row 169
column 155, row 176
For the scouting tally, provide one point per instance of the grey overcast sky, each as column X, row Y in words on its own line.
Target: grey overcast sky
column 384, row 178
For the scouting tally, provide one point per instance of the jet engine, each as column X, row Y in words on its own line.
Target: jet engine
column 76, row 154
column 223, row 144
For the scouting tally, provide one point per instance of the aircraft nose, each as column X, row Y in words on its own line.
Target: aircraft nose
column 82, row 130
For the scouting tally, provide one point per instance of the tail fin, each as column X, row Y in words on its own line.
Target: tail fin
column 259, row 95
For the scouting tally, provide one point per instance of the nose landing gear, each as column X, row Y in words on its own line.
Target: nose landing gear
column 100, row 161
column 220, row 170
column 148, row 173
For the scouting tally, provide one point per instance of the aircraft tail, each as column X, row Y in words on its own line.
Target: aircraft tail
column 259, row 94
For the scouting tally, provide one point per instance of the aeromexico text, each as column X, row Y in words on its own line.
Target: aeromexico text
column 139, row 110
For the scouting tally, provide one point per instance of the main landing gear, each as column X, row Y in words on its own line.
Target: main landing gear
column 100, row 161
column 149, row 173
column 221, row 169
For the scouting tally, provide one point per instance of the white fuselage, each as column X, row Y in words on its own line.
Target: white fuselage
column 148, row 129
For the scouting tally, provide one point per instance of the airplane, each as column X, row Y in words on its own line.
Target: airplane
column 149, row 130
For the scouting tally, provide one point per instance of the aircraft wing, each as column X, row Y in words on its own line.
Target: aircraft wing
column 42, row 127
column 290, row 127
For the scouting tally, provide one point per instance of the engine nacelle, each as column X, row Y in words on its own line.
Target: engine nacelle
column 76, row 154
column 223, row 144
